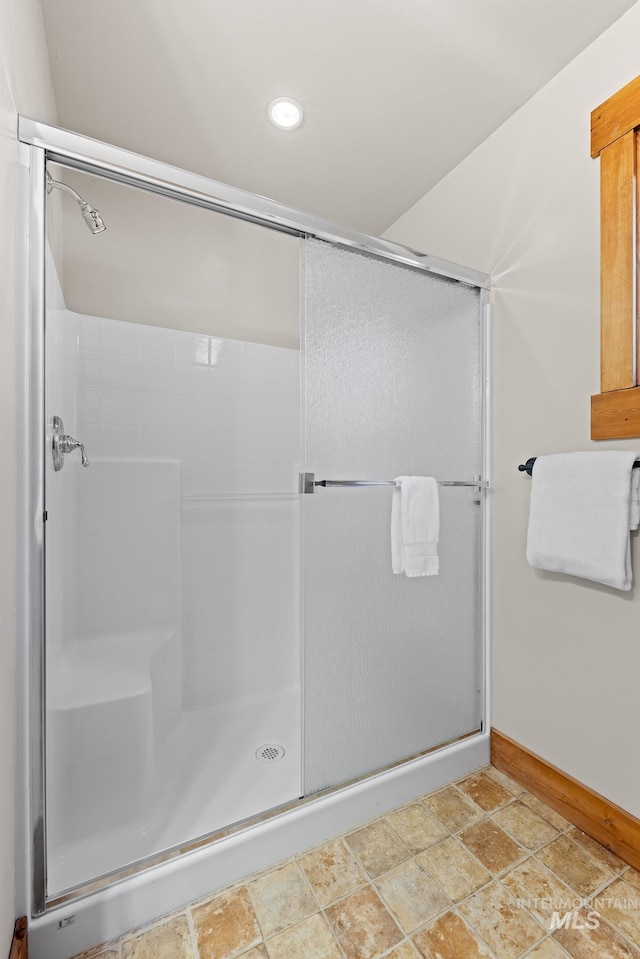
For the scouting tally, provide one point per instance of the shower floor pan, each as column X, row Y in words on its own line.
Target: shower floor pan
column 133, row 782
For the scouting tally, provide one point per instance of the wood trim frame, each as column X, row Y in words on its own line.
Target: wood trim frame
column 601, row 819
column 20, row 942
column 615, row 117
column 618, row 264
column 615, row 139
column 615, row 415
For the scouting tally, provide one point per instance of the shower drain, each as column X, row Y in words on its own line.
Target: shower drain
column 270, row 752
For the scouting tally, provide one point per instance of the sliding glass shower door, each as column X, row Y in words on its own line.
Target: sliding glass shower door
column 392, row 367
column 219, row 640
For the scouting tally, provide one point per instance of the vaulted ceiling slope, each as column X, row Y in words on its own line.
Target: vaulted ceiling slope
column 395, row 92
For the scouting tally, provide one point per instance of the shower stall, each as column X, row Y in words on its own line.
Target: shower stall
column 220, row 667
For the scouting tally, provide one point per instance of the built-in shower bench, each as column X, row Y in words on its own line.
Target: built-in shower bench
column 110, row 701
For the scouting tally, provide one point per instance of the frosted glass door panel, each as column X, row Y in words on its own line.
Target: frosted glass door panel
column 392, row 369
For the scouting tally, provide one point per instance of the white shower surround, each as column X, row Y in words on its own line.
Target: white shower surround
column 167, row 657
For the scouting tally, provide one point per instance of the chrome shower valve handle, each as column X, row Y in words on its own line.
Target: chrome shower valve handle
column 67, row 444
column 62, row 443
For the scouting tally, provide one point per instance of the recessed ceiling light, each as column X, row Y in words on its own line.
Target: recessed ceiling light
column 285, row 113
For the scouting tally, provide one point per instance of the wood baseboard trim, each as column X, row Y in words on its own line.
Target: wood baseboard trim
column 20, row 942
column 601, row 819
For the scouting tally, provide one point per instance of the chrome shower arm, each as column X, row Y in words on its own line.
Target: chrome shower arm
column 51, row 183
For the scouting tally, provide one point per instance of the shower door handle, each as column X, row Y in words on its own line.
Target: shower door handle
column 62, row 443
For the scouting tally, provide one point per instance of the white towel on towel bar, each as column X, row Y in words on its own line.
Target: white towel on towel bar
column 634, row 506
column 415, row 526
column 582, row 508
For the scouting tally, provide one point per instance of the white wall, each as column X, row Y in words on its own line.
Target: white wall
column 525, row 206
column 25, row 86
column 171, row 264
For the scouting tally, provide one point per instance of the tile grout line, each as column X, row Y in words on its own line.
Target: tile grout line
column 194, row 939
column 388, row 952
column 253, row 907
column 611, row 923
column 475, row 932
column 536, row 945
column 627, row 940
column 320, row 911
column 265, row 942
column 396, row 918
column 598, row 891
column 468, row 925
column 538, row 816
column 600, row 886
column 148, row 927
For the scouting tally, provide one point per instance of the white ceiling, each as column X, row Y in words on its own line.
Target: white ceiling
column 396, row 92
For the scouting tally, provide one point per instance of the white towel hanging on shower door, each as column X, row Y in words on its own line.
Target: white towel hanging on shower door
column 415, row 526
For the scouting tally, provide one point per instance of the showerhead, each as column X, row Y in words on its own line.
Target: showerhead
column 90, row 215
column 92, row 218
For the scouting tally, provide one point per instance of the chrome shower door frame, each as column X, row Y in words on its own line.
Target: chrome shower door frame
column 30, row 625
column 41, row 143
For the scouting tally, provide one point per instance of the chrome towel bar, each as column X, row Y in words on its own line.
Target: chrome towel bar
column 308, row 482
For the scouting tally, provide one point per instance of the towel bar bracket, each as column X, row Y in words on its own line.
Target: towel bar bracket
column 477, row 490
column 528, row 466
column 307, row 483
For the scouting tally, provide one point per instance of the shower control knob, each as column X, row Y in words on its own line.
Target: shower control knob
column 62, row 443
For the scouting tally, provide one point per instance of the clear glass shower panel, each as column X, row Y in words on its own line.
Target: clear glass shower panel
column 392, row 365
column 172, row 560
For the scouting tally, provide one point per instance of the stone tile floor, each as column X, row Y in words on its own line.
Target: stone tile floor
column 474, row 870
